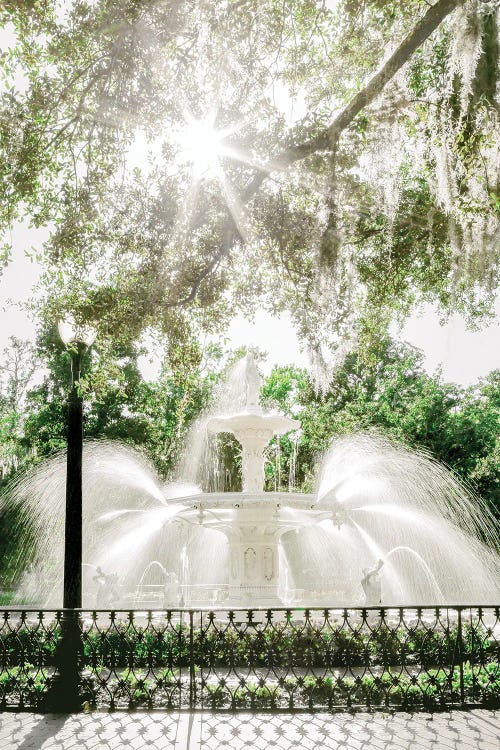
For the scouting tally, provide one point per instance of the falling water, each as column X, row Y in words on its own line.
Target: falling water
column 292, row 471
column 184, row 565
column 278, row 463
column 151, row 586
column 130, row 519
column 422, row 564
column 397, row 499
column 201, row 462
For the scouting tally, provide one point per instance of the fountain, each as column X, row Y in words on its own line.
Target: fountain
column 253, row 528
column 385, row 524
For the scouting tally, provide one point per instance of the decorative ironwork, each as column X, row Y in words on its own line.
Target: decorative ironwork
column 28, row 643
column 279, row 659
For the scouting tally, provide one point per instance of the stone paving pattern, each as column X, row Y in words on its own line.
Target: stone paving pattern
column 458, row 730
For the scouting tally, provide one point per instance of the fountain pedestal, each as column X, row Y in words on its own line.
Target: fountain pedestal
column 253, row 525
column 254, row 559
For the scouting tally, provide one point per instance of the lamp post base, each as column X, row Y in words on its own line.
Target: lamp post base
column 63, row 695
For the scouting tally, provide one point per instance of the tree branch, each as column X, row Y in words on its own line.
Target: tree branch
column 232, row 235
column 327, row 138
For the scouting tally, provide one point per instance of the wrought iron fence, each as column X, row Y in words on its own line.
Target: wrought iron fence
column 280, row 659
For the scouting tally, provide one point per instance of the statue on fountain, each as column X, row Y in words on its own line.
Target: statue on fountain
column 171, row 593
column 372, row 584
column 253, row 382
column 107, row 593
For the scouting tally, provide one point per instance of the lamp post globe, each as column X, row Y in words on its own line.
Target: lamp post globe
column 71, row 332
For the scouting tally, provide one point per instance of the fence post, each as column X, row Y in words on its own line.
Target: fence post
column 192, row 694
column 460, row 646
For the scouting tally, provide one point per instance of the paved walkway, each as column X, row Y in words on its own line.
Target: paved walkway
column 459, row 730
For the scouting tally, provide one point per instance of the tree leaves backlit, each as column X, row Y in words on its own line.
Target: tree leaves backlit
column 348, row 169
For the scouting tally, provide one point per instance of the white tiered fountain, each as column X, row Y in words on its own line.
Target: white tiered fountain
column 253, row 521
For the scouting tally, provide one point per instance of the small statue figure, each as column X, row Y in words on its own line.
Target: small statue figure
column 170, row 591
column 253, row 382
column 372, row 584
column 107, row 592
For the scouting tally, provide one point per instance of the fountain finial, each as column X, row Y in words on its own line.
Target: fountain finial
column 253, row 382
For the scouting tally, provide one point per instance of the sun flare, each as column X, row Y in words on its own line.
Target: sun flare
column 202, row 145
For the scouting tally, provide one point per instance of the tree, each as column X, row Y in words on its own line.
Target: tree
column 384, row 193
column 18, row 364
column 459, row 426
column 119, row 404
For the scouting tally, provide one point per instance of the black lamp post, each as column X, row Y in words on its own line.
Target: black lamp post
column 64, row 695
column 78, row 339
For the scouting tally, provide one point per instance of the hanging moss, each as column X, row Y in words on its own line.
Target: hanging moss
column 487, row 71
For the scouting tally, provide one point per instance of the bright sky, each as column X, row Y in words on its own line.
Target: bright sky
column 464, row 355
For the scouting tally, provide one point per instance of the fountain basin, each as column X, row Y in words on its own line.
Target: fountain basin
column 253, row 524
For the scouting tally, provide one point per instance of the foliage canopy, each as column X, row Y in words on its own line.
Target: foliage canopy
column 357, row 172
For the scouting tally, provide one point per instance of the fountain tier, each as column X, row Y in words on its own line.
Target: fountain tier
column 253, row 526
column 252, row 428
column 253, row 432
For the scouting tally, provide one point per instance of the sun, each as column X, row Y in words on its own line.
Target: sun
column 201, row 145
column 207, row 149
